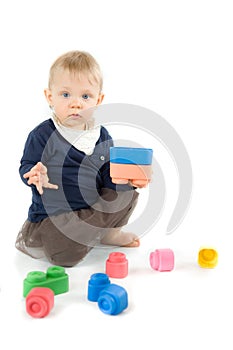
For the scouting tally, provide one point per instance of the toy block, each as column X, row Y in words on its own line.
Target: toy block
column 162, row 260
column 117, row 265
column 96, row 284
column 113, row 300
column 138, row 174
column 131, row 155
column 207, row 258
column 131, row 164
column 39, row 302
column 55, row 278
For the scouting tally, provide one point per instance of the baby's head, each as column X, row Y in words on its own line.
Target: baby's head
column 77, row 63
column 75, row 87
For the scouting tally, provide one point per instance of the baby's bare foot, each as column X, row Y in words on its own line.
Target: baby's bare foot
column 121, row 239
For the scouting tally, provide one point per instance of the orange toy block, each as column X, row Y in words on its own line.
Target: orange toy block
column 137, row 174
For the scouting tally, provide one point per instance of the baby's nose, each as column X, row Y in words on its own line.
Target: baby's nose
column 76, row 103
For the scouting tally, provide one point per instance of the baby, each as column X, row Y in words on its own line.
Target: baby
column 65, row 161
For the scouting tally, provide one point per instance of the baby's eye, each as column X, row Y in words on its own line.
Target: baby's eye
column 85, row 96
column 66, row 94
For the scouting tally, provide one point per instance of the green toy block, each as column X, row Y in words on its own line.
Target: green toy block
column 55, row 278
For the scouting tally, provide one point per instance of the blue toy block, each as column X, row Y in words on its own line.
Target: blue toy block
column 113, row 300
column 130, row 155
column 96, row 284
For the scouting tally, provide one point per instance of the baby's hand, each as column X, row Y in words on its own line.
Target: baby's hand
column 139, row 183
column 38, row 176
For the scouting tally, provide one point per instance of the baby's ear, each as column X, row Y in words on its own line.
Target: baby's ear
column 48, row 96
column 100, row 99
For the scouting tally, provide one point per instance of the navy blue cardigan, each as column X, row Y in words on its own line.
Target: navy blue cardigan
column 79, row 177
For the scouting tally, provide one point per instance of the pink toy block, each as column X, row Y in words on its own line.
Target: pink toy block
column 162, row 260
column 39, row 302
column 117, row 265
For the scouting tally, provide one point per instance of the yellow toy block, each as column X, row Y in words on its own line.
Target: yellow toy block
column 207, row 258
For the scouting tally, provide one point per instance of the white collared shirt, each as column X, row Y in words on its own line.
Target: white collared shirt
column 83, row 140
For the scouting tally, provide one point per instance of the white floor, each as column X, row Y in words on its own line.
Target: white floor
column 187, row 308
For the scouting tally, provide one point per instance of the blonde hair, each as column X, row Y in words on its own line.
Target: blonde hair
column 77, row 62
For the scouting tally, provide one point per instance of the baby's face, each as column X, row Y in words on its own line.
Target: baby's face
column 72, row 94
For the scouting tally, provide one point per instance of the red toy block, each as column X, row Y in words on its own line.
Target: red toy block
column 39, row 302
column 117, row 265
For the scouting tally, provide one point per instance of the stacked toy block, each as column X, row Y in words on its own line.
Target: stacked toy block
column 132, row 165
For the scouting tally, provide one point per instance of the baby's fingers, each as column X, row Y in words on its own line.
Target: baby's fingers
column 39, row 185
column 51, row 186
column 48, row 185
column 30, row 173
column 26, row 175
column 33, row 180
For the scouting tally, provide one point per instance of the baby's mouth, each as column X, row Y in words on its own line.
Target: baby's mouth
column 74, row 116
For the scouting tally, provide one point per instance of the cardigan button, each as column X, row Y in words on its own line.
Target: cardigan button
column 102, row 158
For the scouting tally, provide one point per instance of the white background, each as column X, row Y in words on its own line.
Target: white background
column 175, row 58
